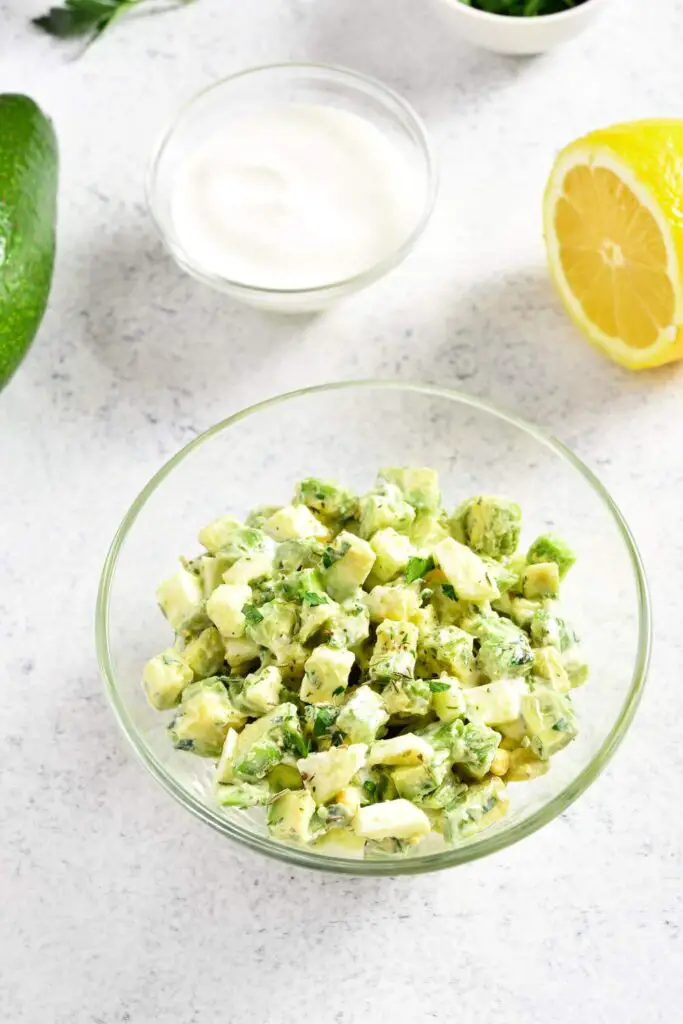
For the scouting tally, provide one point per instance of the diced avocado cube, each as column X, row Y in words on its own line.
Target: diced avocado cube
column 342, row 808
column 496, row 702
column 393, row 550
column 204, row 717
column 304, row 586
column 258, row 515
column 519, row 609
column 395, row 602
column 180, row 598
column 508, row 654
column 242, row 542
column 326, row 675
column 488, row 525
column 545, row 629
column 448, row 649
column 266, row 742
column 551, row 548
column 326, row 498
column 295, row 522
column 427, row 530
column 393, row 819
column 327, row 772
column 444, row 795
column 472, row 746
column 216, row 534
column 249, row 567
column 541, row 580
column 289, row 816
column 525, row 766
column 426, row 620
column 477, row 808
column 415, row 782
column 548, row 664
column 466, row 572
column 211, row 569
column 380, row 509
column 408, row 749
column 205, row 654
column 164, row 678
column 362, row 716
column 448, row 698
column 261, row 690
column 313, row 617
column 291, row 660
column 347, row 565
column 244, row 794
column 549, row 721
column 293, row 555
column 224, row 608
column 284, row 776
column 224, row 774
column 575, row 665
column 240, row 652
column 503, row 576
column 395, row 651
column 350, row 624
column 340, row 843
column 419, row 486
column 272, row 625
column 403, row 696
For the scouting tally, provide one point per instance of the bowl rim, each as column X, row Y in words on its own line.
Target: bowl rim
column 515, row 19
column 497, row 840
column 355, row 79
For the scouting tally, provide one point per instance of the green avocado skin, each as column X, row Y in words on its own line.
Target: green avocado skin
column 29, row 168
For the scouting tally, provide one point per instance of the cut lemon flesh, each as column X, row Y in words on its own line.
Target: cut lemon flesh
column 613, row 219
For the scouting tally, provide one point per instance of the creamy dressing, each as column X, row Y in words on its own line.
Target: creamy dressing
column 297, row 196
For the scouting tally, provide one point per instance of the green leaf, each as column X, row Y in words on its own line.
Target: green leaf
column 449, row 591
column 314, row 599
column 418, row 567
column 89, row 17
column 438, row 686
column 252, row 614
column 337, row 691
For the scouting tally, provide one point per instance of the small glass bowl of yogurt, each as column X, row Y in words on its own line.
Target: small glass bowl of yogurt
column 290, row 186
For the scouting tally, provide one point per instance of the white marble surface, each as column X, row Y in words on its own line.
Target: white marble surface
column 116, row 905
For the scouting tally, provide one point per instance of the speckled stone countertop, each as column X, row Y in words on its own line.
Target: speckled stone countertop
column 117, row 906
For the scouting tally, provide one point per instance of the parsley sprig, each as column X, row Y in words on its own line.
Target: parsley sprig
column 89, row 18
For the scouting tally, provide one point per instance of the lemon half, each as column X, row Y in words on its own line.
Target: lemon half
column 613, row 222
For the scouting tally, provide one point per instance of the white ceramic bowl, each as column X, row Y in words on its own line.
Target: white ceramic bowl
column 514, row 35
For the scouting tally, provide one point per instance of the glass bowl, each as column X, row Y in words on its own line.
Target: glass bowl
column 347, row 431
column 264, row 87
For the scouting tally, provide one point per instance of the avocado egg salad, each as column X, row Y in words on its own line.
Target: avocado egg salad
column 370, row 670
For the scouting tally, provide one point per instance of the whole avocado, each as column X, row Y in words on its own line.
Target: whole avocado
column 29, row 165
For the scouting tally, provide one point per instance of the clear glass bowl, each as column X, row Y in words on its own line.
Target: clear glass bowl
column 347, row 431
column 264, row 87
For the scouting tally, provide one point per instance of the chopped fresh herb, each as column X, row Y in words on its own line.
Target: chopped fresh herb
column 91, row 17
column 337, row 691
column 523, row 8
column 560, row 725
column 295, row 742
column 323, row 720
column 438, row 686
column 330, row 556
column 252, row 614
column 418, row 567
column 310, row 597
column 449, row 591
column 370, row 787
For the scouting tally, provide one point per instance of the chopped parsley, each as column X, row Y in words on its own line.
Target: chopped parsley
column 438, row 686
column 449, row 591
column 418, row 567
column 313, row 599
column 252, row 614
